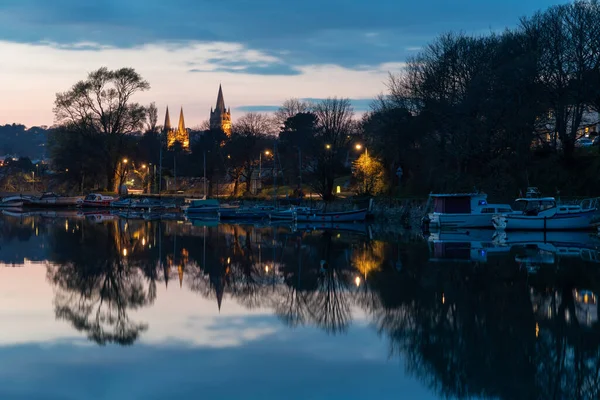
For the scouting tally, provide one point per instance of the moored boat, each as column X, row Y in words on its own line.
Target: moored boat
column 203, row 206
column 15, row 201
column 292, row 212
column 338, row 216
column 96, row 200
column 545, row 214
column 51, row 199
column 464, row 210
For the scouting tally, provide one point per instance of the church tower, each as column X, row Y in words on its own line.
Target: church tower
column 220, row 118
column 180, row 134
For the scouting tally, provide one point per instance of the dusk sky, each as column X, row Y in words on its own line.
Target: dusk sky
column 261, row 51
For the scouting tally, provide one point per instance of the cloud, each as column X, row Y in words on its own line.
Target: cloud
column 314, row 32
column 36, row 72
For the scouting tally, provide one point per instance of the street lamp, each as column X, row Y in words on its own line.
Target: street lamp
column 328, row 146
column 267, row 152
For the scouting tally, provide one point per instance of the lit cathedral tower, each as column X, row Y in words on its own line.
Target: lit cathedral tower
column 180, row 134
column 220, row 118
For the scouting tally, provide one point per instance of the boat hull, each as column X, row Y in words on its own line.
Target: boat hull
column 557, row 222
column 54, row 202
column 438, row 220
column 344, row 216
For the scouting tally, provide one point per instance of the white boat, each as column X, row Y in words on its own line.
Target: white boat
column 203, row 206
column 468, row 210
column 545, row 214
column 96, row 200
column 50, row 199
column 14, row 201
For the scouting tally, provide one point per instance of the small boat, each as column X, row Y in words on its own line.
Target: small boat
column 51, row 199
column 292, row 212
column 96, row 200
column 15, row 201
column 245, row 213
column 467, row 210
column 340, row 216
column 203, row 206
column 544, row 214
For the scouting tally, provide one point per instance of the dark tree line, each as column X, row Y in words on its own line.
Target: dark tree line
column 500, row 111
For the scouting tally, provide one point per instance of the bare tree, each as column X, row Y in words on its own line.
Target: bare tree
column 290, row 108
column 254, row 124
column 335, row 126
column 102, row 104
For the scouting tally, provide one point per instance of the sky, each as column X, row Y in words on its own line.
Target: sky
column 190, row 350
column 261, row 51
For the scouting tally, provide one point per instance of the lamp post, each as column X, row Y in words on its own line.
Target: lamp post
column 267, row 152
column 359, row 148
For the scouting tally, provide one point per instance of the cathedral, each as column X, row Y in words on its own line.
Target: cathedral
column 180, row 134
column 220, row 118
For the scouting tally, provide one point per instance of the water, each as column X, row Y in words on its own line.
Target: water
column 102, row 308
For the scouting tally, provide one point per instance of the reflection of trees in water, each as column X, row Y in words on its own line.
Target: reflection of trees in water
column 465, row 330
column 96, row 286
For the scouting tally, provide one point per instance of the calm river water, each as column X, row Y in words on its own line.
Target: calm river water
column 96, row 307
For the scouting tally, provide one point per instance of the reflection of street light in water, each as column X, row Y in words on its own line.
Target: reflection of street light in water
column 266, row 268
column 124, row 252
column 357, row 281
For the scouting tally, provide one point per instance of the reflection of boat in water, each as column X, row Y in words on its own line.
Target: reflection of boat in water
column 357, row 228
column 464, row 246
column 43, row 213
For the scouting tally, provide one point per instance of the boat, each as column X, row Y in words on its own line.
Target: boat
column 292, row 212
column 96, row 200
column 51, row 199
column 245, row 213
column 543, row 213
column 465, row 210
column 203, row 206
column 339, row 216
column 15, row 201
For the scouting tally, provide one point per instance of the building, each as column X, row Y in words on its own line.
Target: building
column 180, row 134
column 220, row 118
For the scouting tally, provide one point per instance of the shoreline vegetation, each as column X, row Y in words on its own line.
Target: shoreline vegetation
column 496, row 113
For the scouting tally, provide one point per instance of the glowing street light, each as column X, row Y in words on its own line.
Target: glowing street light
column 144, row 166
column 267, row 152
column 358, row 146
column 125, row 161
column 328, row 146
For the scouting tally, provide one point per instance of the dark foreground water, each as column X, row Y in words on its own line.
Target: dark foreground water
column 104, row 308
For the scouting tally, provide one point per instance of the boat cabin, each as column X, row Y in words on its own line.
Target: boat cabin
column 98, row 197
column 530, row 205
column 204, row 203
column 458, row 203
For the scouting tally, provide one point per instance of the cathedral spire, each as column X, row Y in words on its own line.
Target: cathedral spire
column 167, row 126
column 220, row 101
column 181, row 127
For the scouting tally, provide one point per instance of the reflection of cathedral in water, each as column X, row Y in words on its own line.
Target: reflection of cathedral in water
column 468, row 323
